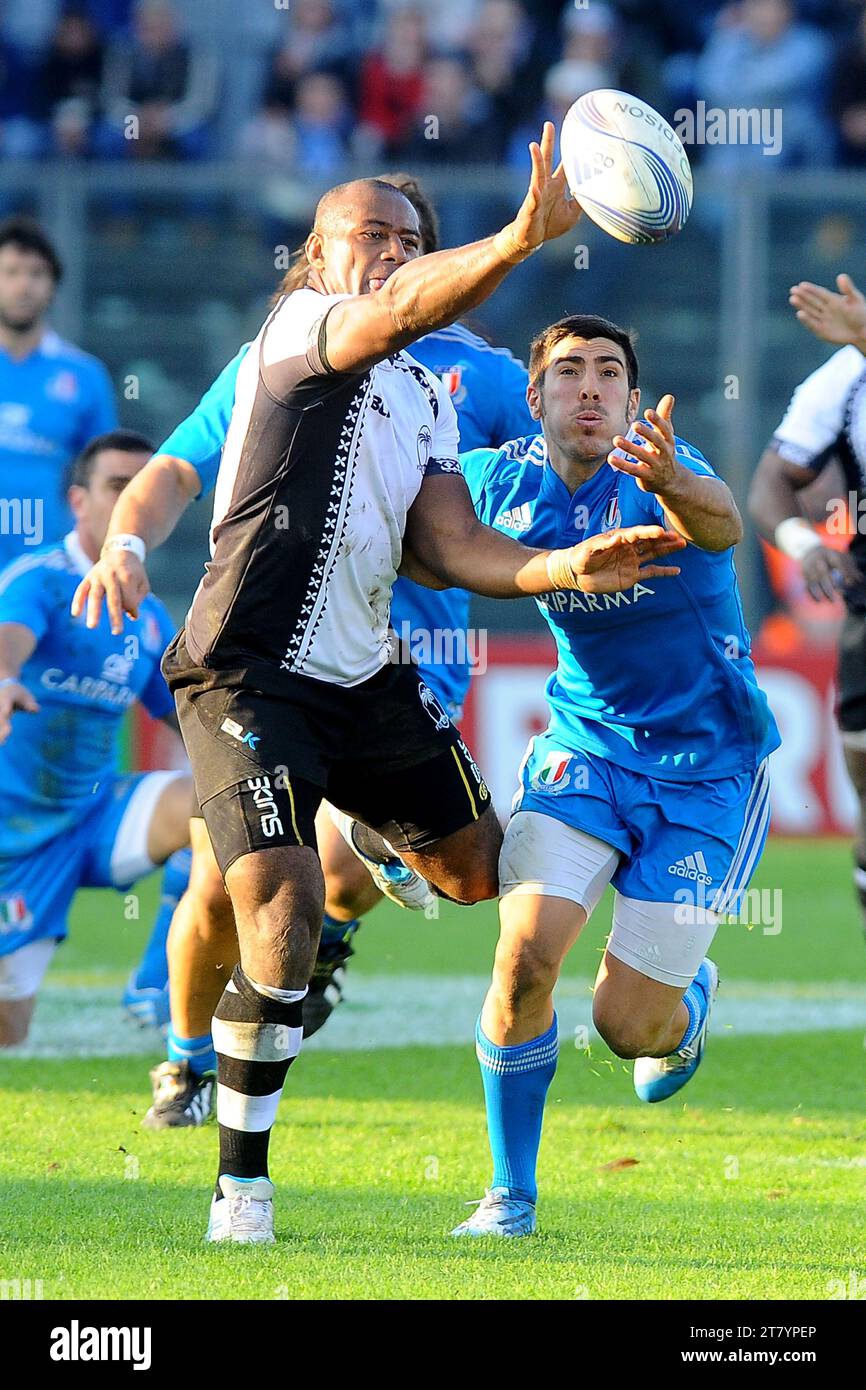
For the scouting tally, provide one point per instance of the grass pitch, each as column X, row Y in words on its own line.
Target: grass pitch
column 749, row 1184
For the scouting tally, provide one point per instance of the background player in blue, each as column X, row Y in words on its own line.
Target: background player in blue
column 68, row 818
column 652, row 772
column 488, row 388
column 53, row 397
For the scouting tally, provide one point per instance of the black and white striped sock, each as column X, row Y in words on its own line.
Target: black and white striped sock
column 257, row 1032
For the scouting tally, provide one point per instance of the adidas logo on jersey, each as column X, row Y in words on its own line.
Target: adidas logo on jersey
column 516, row 519
column 692, row 867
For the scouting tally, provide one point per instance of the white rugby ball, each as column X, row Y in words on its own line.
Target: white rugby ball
column 626, row 166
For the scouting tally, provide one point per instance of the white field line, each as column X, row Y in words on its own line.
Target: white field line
column 395, row 1010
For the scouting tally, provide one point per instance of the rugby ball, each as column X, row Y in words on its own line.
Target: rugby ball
column 626, row 166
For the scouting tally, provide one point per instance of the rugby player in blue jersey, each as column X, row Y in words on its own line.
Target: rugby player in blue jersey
column 652, row 773
column 53, row 397
column 69, row 819
column 488, row 388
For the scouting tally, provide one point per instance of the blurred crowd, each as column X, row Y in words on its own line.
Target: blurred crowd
column 302, row 86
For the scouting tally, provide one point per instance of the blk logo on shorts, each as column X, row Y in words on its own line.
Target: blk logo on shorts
column 231, row 726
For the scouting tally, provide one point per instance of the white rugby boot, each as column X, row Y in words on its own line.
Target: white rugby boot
column 245, row 1212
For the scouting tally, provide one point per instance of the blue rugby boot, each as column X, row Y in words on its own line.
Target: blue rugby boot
column 659, row 1078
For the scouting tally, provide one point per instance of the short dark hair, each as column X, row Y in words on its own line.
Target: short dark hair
column 27, row 235
column 581, row 326
column 127, row 441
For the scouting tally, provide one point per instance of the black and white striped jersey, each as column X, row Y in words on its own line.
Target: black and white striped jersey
column 318, row 473
column 826, row 419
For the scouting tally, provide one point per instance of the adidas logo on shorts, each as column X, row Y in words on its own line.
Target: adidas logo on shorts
column 692, row 867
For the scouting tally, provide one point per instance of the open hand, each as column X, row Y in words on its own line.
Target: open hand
column 654, row 463
column 548, row 210
column 120, row 579
column 835, row 318
column 619, row 559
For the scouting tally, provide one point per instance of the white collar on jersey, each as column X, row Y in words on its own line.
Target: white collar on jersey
column 75, row 550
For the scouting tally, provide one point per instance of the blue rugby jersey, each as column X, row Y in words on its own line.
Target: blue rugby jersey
column 52, row 403
column 659, row 678
column 487, row 386
column 84, row 681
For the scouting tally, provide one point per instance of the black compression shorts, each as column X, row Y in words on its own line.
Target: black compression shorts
column 384, row 751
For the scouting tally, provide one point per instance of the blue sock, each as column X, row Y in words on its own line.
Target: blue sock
column 199, row 1052
column 516, row 1082
column 334, row 931
column 152, row 972
column 696, row 1000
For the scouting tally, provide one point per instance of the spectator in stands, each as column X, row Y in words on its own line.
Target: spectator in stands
column 588, row 58
column 453, row 128
column 450, row 21
column 311, row 139
column 70, row 80
column 316, row 40
column 760, row 58
column 21, row 134
column 506, row 67
column 168, row 86
column 848, row 95
column 393, row 81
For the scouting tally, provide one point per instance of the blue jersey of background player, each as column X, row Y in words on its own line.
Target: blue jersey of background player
column 651, row 774
column 53, row 397
column 68, row 818
column 488, row 388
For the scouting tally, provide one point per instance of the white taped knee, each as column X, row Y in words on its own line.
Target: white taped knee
column 664, row 941
column 544, row 857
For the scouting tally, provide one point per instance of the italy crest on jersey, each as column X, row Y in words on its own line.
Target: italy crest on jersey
column 553, row 775
column 612, row 517
column 452, row 380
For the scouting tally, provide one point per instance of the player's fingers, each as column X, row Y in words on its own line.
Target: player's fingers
column 537, row 174
column 94, row 602
column 637, row 453
column 79, row 597
column 658, row 571
column 646, row 533
column 651, row 430
column 847, row 287
column 635, row 470
column 548, row 140
column 665, row 408
column 114, row 603
column 27, row 702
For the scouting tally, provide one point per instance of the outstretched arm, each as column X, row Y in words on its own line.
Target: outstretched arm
column 149, row 507
column 434, row 290
column 449, row 541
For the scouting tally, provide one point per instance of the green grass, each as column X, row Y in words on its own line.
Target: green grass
column 750, row 1186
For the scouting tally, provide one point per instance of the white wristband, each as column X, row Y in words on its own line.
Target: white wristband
column 796, row 538
column 122, row 541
